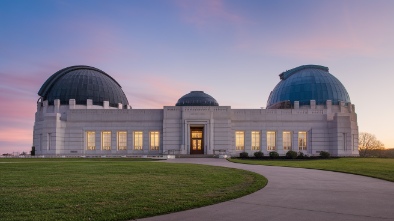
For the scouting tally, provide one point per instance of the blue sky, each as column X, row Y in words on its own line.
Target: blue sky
column 161, row 50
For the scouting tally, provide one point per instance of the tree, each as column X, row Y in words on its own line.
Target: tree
column 369, row 145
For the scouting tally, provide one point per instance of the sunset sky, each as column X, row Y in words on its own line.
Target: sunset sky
column 160, row 50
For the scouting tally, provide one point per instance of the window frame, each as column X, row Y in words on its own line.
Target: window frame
column 287, row 143
column 239, row 144
column 154, row 140
column 302, row 145
column 90, row 134
column 140, row 140
column 271, row 141
column 255, row 140
column 122, row 141
column 106, row 144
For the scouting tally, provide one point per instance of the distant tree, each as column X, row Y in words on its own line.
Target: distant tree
column 368, row 144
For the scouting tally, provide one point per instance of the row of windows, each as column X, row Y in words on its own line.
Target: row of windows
column 121, row 136
column 271, row 140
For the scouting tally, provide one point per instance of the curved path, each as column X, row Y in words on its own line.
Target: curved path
column 298, row 194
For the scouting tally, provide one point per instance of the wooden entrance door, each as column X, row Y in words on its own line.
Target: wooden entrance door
column 196, row 140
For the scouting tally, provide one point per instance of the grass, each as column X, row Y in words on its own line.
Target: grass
column 382, row 168
column 113, row 189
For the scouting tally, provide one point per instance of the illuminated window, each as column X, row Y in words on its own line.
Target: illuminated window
column 122, row 140
column 302, row 140
column 106, row 140
column 138, row 140
column 239, row 140
column 271, row 140
column 255, row 140
column 286, row 140
column 91, row 140
column 154, row 140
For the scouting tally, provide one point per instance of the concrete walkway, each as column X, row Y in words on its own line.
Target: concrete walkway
column 298, row 194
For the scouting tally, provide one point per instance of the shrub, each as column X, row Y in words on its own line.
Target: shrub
column 324, row 154
column 243, row 155
column 33, row 151
column 274, row 155
column 259, row 154
column 300, row 155
column 291, row 154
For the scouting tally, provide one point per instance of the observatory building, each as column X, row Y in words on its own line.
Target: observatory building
column 83, row 111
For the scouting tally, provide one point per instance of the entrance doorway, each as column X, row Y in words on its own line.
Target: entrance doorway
column 196, row 140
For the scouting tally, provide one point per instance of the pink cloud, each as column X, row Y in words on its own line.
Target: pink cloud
column 204, row 13
column 163, row 91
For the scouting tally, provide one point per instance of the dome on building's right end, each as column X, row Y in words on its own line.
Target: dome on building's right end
column 306, row 83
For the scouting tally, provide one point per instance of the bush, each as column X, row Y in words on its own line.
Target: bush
column 259, row 154
column 33, row 151
column 324, row 154
column 300, row 155
column 291, row 154
column 243, row 155
column 274, row 155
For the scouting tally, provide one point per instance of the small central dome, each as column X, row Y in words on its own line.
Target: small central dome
column 82, row 83
column 197, row 98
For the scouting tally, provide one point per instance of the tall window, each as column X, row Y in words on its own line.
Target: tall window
column 271, row 140
column 255, row 140
column 239, row 140
column 49, row 135
column 154, row 140
column 91, row 140
column 106, row 140
column 138, row 140
column 344, row 141
column 122, row 140
column 302, row 140
column 286, row 140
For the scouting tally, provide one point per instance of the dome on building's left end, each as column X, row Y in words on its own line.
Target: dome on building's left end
column 82, row 83
column 197, row 98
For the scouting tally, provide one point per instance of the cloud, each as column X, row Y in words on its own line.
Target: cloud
column 152, row 90
column 208, row 12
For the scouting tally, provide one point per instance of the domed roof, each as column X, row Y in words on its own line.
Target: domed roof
column 305, row 83
column 197, row 98
column 82, row 83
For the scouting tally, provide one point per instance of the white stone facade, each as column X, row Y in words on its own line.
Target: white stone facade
column 62, row 129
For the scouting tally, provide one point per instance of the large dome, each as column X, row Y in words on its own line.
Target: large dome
column 82, row 83
column 197, row 98
column 306, row 83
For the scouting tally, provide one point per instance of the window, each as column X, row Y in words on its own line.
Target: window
column 122, row 140
column 239, row 140
column 354, row 142
column 286, row 140
column 344, row 141
column 154, row 140
column 302, row 140
column 138, row 140
column 49, row 141
column 255, row 140
column 91, row 140
column 271, row 140
column 106, row 140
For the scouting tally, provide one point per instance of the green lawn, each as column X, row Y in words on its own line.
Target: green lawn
column 113, row 189
column 382, row 168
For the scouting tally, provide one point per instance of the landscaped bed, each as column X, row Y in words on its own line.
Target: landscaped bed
column 382, row 168
column 113, row 189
